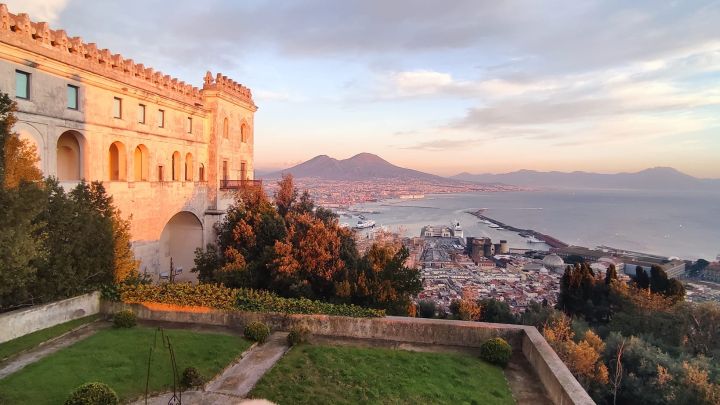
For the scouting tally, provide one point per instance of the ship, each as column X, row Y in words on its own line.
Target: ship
column 533, row 239
column 364, row 223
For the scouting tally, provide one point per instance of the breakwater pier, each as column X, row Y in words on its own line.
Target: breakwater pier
column 549, row 240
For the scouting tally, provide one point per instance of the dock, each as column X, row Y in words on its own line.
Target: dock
column 549, row 240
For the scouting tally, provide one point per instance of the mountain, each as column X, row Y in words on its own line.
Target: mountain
column 363, row 166
column 665, row 178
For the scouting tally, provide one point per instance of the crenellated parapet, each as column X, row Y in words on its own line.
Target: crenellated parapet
column 37, row 37
column 224, row 84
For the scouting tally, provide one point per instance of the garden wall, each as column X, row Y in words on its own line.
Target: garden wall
column 557, row 380
column 23, row 321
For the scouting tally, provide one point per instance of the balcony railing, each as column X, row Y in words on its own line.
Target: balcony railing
column 238, row 184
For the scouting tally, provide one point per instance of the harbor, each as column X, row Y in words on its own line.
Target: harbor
column 531, row 235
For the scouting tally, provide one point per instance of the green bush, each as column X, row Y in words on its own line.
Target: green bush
column 298, row 334
column 220, row 297
column 496, row 351
column 266, row 301
column 124, row 319
column 191, row 378
column 257, row 331
column 94, row 393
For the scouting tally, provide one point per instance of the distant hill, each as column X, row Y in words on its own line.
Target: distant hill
column 363, row 166
column 665, row 178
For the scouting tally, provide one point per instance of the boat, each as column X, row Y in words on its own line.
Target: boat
column 363, row 224
column 494, row 226
column 533, row 239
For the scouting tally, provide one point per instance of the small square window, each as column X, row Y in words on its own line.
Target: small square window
column 22, row 84
column 161, row 118
column 72, row 97
column 141, row 113
column 189, row 125
column 117, row 107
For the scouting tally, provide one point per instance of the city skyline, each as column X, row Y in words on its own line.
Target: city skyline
column 476, row 87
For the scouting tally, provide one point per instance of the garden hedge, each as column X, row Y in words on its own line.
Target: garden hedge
column 219, row 297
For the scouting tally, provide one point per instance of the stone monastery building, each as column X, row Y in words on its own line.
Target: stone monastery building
column 169, row 153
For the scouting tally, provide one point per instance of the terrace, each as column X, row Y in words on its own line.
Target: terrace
column 347, row 359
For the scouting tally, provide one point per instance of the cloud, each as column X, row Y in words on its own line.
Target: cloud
column 39, row 10
column 444, row 144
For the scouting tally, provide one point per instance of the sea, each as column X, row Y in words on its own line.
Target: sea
column 673, row 224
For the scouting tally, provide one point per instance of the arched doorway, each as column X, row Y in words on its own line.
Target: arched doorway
column 141, row 160
column 118, row 162
column 181, row 236
column 68, row 157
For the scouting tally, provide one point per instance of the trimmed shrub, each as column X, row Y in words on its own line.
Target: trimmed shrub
column 257, row 331
column 94, row 393
column 184, row 294
column 266, row 301
column 297, row 335
column 191, row 378
column 496, row 351
column 124, row 319
column 219, row 297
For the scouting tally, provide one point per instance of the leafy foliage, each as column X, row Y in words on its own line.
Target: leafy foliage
column 183, row 294
column 583, row 358
column 496, row 311
column 191, row 378
column 53, row 244
column 298, row 250
column 257, row 331
column 124, row 319
column 265, row 301
column 220, row 297
column 496, row 351
column 95, row 393
column 298, row 334
column 466, row 310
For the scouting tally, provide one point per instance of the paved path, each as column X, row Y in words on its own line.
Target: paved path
column 18, row 362
column 238, row 380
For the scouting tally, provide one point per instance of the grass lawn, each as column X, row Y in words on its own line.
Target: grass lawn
column 350, row 375
column 34, row 339
column 118, row 357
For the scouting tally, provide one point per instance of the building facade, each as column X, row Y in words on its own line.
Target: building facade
column 170, row 154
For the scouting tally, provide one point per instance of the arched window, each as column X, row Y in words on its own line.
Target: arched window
column 244, row 133
column 176, row 166
column 142, row 163
column 226, row 128
column 188, row 167
column 68, row 157
column 118, row 162
column 201, row 173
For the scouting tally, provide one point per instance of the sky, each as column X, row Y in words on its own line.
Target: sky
column 442, row 86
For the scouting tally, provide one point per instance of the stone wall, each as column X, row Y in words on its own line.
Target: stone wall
column 557, row 380
column 23, row 321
